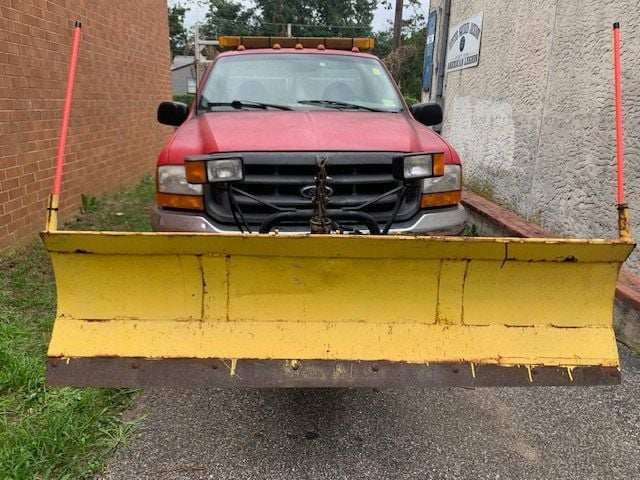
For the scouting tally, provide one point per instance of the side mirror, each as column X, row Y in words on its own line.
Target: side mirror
column 427, row 113
column 172, row 113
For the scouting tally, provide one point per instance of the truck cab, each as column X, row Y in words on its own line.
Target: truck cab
column 268, row 111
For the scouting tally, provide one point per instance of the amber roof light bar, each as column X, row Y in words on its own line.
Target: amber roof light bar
column 362, row 44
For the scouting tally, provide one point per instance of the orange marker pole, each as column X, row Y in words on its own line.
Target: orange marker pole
column 618, row 103
column 623, row 209
column 52, row 216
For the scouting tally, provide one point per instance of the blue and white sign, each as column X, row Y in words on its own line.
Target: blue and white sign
column 463, row 49
column 428, row 51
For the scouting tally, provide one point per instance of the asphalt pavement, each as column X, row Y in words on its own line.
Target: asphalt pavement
column 411, row 433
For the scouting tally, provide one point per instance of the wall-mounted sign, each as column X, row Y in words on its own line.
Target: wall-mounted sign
column 428, row 51
column 463, row 49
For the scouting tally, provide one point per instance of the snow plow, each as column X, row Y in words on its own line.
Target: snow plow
column 332, row 307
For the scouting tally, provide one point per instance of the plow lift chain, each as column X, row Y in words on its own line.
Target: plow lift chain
column 320, row 222
column 322, row 219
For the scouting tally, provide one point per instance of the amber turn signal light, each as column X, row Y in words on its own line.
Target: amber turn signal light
column 185, row 202
column 438, row 164
column 430, row 200
column 196, row 172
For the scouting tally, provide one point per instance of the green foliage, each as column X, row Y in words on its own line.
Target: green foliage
column 383, row 43
column 89, row 204
column 184, row 98
column 45, row 433
column 470, row 231
column 177, row 31
column 124, row 210
column 340, row 18
column 56, row 432
column 406, row 63
column 227, row 17
column 416, row 20
column 411, row 76
column 410, row 100
column 270, row 17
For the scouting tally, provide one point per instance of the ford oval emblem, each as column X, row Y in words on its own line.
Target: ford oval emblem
column 310, row 191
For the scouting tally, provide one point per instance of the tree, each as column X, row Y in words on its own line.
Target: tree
column 383, row 43
column 347, row 18
column 397, row 24
column 177, row 32
column 227, row 17
column 405, row 63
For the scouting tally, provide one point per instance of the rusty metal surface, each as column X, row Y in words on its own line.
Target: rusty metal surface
column 320, row 222
column 140, row 372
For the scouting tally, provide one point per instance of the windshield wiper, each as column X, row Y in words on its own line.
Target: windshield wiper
column 239, row 104
column 337, row 104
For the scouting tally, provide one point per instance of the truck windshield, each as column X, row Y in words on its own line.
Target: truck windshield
column 299, row 82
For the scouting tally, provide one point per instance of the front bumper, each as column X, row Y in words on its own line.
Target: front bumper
column 437, row 221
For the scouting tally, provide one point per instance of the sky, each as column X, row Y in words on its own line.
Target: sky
column 381, row 18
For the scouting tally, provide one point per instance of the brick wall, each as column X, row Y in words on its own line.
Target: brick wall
column 123, row 73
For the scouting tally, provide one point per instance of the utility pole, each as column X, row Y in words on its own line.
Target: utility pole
column 397, row 25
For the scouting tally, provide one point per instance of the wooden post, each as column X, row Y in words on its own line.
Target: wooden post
column 397, row 25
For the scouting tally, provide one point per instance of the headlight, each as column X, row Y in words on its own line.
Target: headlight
column 205, row 168
column 449, row 182
column 172, row 179
column 416, row 167
column 442, row 191
column 225, row 170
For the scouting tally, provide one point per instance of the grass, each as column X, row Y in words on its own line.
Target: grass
column 470, row 231
column 61, row 433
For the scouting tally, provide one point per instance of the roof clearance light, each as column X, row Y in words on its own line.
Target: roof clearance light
column 229, row 42
column 364, row 43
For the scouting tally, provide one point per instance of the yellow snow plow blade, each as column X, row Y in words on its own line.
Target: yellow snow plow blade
column 144, row 309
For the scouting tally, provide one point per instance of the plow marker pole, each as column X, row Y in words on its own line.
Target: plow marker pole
column 52, row 209
column 623, row 209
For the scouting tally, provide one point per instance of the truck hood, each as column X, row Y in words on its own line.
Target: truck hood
column 302, row 131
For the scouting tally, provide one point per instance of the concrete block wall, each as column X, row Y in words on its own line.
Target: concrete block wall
column 534, row 121
column 123, row 73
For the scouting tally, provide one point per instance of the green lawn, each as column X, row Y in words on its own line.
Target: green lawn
column 56, row 432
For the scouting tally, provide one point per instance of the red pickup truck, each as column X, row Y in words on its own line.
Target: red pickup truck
column 266, row 116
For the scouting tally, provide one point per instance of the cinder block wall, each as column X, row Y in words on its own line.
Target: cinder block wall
column 534, row 121
column 123, row 73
